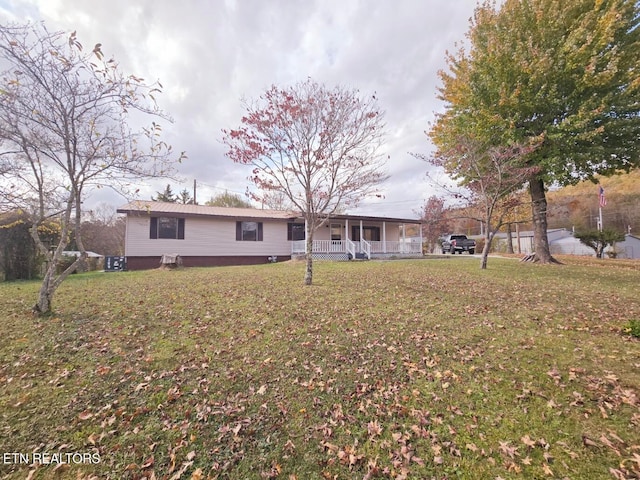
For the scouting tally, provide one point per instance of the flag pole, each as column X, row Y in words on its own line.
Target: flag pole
column 601, row 203
column 600, row 219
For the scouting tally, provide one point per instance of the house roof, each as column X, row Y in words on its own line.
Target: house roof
column 149, row 207
column 530, row 233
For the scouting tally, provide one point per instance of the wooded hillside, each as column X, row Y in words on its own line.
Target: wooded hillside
column 577, row 206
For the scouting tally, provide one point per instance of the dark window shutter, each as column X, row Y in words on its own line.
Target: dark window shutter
column 259, row 231
column 289, row 231
column 153, row 229
column 181, row 229
column 238, row 231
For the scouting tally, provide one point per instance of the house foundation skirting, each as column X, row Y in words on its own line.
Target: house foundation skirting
column 148, row 263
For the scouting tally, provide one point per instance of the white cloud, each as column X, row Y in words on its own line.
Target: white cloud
column 209, row 55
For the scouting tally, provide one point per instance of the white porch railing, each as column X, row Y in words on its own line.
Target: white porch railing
column 298, row 247
column 351, row 248
column 404, row 248
column 366, row 248
column 370, row 249
column 319, row 246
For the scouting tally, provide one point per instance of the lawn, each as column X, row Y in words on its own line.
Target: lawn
column 429, row 369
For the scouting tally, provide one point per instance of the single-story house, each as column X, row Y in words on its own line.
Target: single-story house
column 209, row 236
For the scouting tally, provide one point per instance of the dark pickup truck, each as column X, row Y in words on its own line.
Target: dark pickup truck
column 458, row 244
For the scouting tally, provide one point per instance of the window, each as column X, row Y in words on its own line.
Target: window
column 336, row 232
column 371, row 234
column 295, row 231
column 167, row 227
column 249, row 231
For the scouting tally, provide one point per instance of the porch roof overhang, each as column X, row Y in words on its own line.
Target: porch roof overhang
column 367, row 218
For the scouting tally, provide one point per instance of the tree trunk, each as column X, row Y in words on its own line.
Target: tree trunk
column 485, row 253
column 47, row 289
column 488, row 239
column 509, row 239
column 539, row 209
column 308, row 273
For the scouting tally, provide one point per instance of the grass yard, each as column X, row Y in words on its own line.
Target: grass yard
column 425, row 369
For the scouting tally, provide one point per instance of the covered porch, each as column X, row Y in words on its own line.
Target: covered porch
column 347, row 238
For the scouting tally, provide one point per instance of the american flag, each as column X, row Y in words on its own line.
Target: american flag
column 603, row 200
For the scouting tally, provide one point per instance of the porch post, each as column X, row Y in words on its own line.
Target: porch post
column 384, row 237
column 346, row 234
column 404, row 237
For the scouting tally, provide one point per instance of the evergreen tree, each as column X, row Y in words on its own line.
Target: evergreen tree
column 166, row 196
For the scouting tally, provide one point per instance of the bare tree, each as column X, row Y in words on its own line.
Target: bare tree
column 317, row 146
column 103, row 231
column 64, row 129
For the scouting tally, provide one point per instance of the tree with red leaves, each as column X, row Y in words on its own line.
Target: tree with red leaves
column 435, row 221
column 319, row 147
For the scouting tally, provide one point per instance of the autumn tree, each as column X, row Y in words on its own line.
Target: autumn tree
column 64, row 129
column 228, row 199
column 18, row 255
column 563, row 72
column 491, row 177
column 434, row 217
column 318, row 146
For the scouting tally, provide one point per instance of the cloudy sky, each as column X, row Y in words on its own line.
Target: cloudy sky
column 209, row 54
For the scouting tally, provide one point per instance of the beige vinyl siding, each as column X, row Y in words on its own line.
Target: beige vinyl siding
column 206, row 237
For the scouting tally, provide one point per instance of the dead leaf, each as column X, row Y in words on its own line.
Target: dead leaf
column 588, row 442
column 374, row 428
column 530, row 443
column 85, row 415
column 183, row 469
